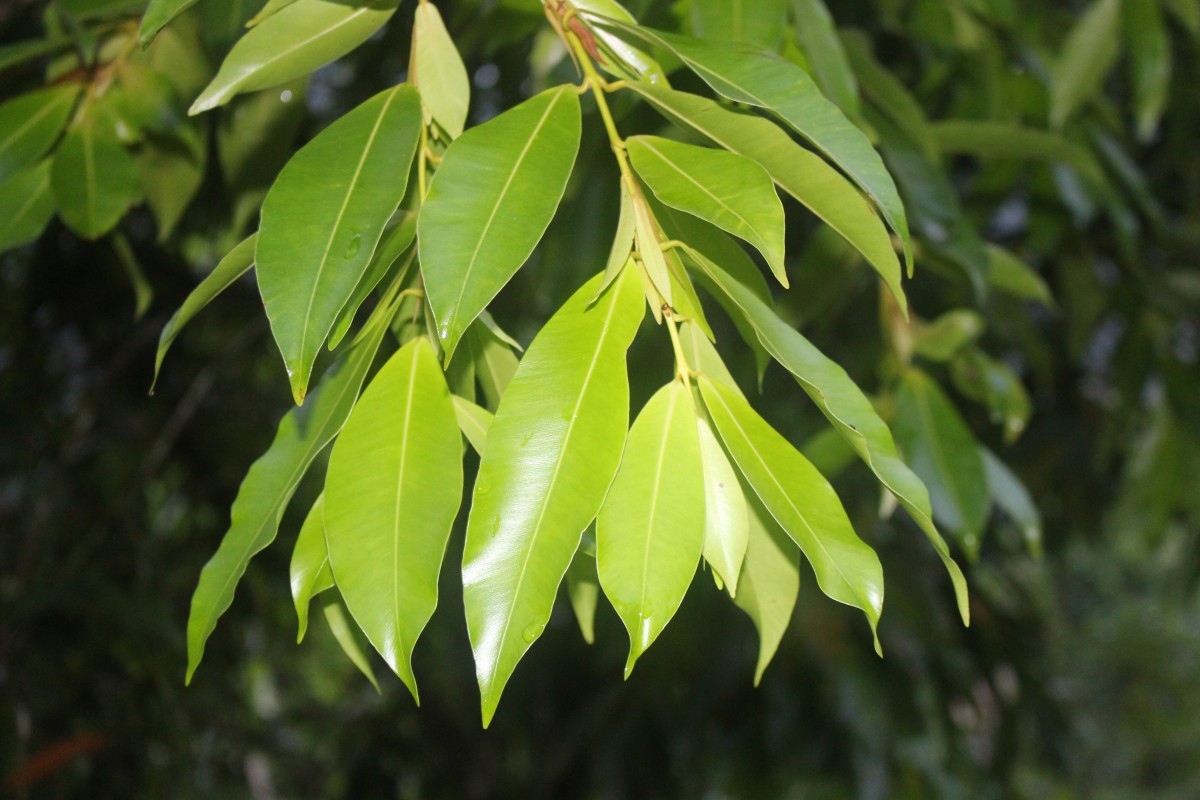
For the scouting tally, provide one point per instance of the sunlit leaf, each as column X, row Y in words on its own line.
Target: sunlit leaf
column 438, row 71
column 309, row 570
column 758, row 22
column 343, row 631
column 726, row 520
column 474, row 422
column 30, row 125
column 770, row 581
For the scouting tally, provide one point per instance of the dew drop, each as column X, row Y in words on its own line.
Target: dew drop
column 444, row 332
column 647, row 610
column 532, row 632
column 483, row 487
column 354, row 246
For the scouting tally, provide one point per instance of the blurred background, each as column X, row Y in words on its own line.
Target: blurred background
column 1080, row 674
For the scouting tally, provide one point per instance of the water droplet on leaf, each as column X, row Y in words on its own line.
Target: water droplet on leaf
column 354, row 246
column 532, row 631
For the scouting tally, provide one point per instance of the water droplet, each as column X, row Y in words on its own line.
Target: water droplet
column 532, row 631
column 483, row 487
column 354, row 246
column 647, row 610
column 444, row 332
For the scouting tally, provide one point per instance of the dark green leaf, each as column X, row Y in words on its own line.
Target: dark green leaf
column 26, row 205
column 94, row 178
column 30, row 124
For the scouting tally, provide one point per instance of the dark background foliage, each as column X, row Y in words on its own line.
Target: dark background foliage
column 1077, row 678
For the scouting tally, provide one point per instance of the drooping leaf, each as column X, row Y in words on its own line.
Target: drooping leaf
column 1004, row 140
column 495, row 363
column 650, row 530
column 347, row 639
column 651, row 257
column 309, row 570
column 1012, row 276
column 993, row 383
column 397, row 237
column 295, row 41
column 583, row 589
column 1091, row 48
column 726, row 520
column 801, row 501
column 438, row 71
column 268, row 486
column 143, row 292
column 770, row 581
column 623, row 241
column 158, row 14
column 490, row 201
column 474, row 422
column 817, row 35
column 323, row 218
column 887, row 93
column 393, row 490
column 94, row 178
column 1012, row 497
column 171, row 174
column 1150, row 61
column 758, row 22
column 552, row 451
column 30, row 124
column 725, row 189
column 942, row 450
column 798, row 172
column 26, row 205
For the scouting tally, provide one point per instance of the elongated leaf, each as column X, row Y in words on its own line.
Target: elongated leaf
column 1012, row 497
column 94, row 178
column 1009, row 274
column 942, row 450
column 801, row 501
column 583, row 589
column 993, row 383
column 622, row 246
column 888, row 94
column 650, row 530
column 310, row 574
column 323, row 218
column 798, row 172
column 844, row 405
column 651, row 257
column 394, row 242
column 26, row 205
column 171, row 174
column 1004, row 140
column 17, row 53
column 495, row 363
column 552, row 451
column 728, row 190
column 770, row 581
column 30, row 124
column 393, row 490
column 1088, row 54
column 943, row 338
column 474, row 422
column 745, row 74
column 758, row 22
column 347, row 639
column 295, row 41
column 491, row 200
column 817, row 35
column 438, row 71
column 726, row 520
column 264, row 494
column 271, row 7
column 158, row 14
column 1150, row 61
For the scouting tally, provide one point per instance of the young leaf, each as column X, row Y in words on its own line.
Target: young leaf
column 393, row 490
column 323, row 218
column 30, row 124
column 474, row 422
column 650, row 530
column 490, row 201
column 728, row 190
column 158, row 14
column 295, row 41
column 759, row 22
column 942, row 450
column 268, row 486
column 552, row 451
column 623, row 242
column 347, row 639
column 817, row 35
column 25, row 206
column 398, row 235
column 652, row 258
column 769, row 583
column 438, row 71
column 801, row 501
column 583, row 589
column 726, row 520
column 1012, row 497
column 803, row 175
column 310, row 574
column 94, row 178
column 495, row 363
column 1087, row 55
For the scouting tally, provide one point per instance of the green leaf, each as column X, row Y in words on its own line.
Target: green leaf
column 725, row 189
column 726, row 520
column 17, row 53
column 396, row 239
column 943, row 338
column 769, row 583
column 623, row 242
column 236, row 263
column 295, row 41
column 994, row 384
column 583, row 589
column 268, row 486
column 310, row 574
column 944, row 452
column 158, row 14
column 171, row 174
column 323, row 218
column 143, row 292
column 495, row 363
column 552, row 452
column 94, row 178
column 846, row 407
column 474, row 422
column 888, row 94
column 798, row 172
column 343, row 632
column 30, row 124
column 1150, row 62
column 758, row 22
column 271, row 7
column 392, row 493
column 1013, row 276
column 1012, row 497
column 490, row 201
column 745, row 74
column 1090, row 50
column 650, row 530
column 817, row 35
column 438, row 71
column 26, row 206
column 801, row 501
column 1004, row 140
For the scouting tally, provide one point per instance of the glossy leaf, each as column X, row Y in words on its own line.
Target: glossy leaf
column 1012, row 497
column 30, row 125
column 26, row 206
column 758, row 22
column 323, row 218
column 798, row 172
column 651, row 258
column 942, row 450
column 158, row 14
column 726, row 520
column 474, row 422
column 396, row 239
column 770, row 581
column 1091, row 47
column 583, row 590
column 393, row 490
column 801, row 501
column 816, row 33
column 438, row 71
column 552, row 452
column 347, row 639
column 94, row 178
column 725, row 189
column 650, row 530
column 490, row 201
column 310, row 574
column 268, row 486
column 623, row 242
column 293, row 42
column 269, row 8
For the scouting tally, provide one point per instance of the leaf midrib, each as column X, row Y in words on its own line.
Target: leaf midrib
column 408, row 406
column 31, row 121
column 662, row 458
column 19, row 217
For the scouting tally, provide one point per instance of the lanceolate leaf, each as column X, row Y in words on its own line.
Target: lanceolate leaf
column 801, row 501
column 758, row 22
column 234, row 265
column 844, row 404
column 323, row 218
column 495, row 363
column 726, row 520
column 1150, row 60
column 474, row 422
column 583, row 589
column 25, row 206
column 264, row 494
column 1087, row 55
column 552, row 451
column 728, row 190
column 623, row 242
column 491, row 200
column 30, row 124
column 94, row 178
column 158, row 14
column 310, row 574
column 745, row 74
column 817, row 35
column 397, row 237
column 438, row 71
column 393, row 490
column 347, row 639
column 650, row 531
column 1012, row 497
column 798, row 172
column 295, row 41
column 770, row 581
